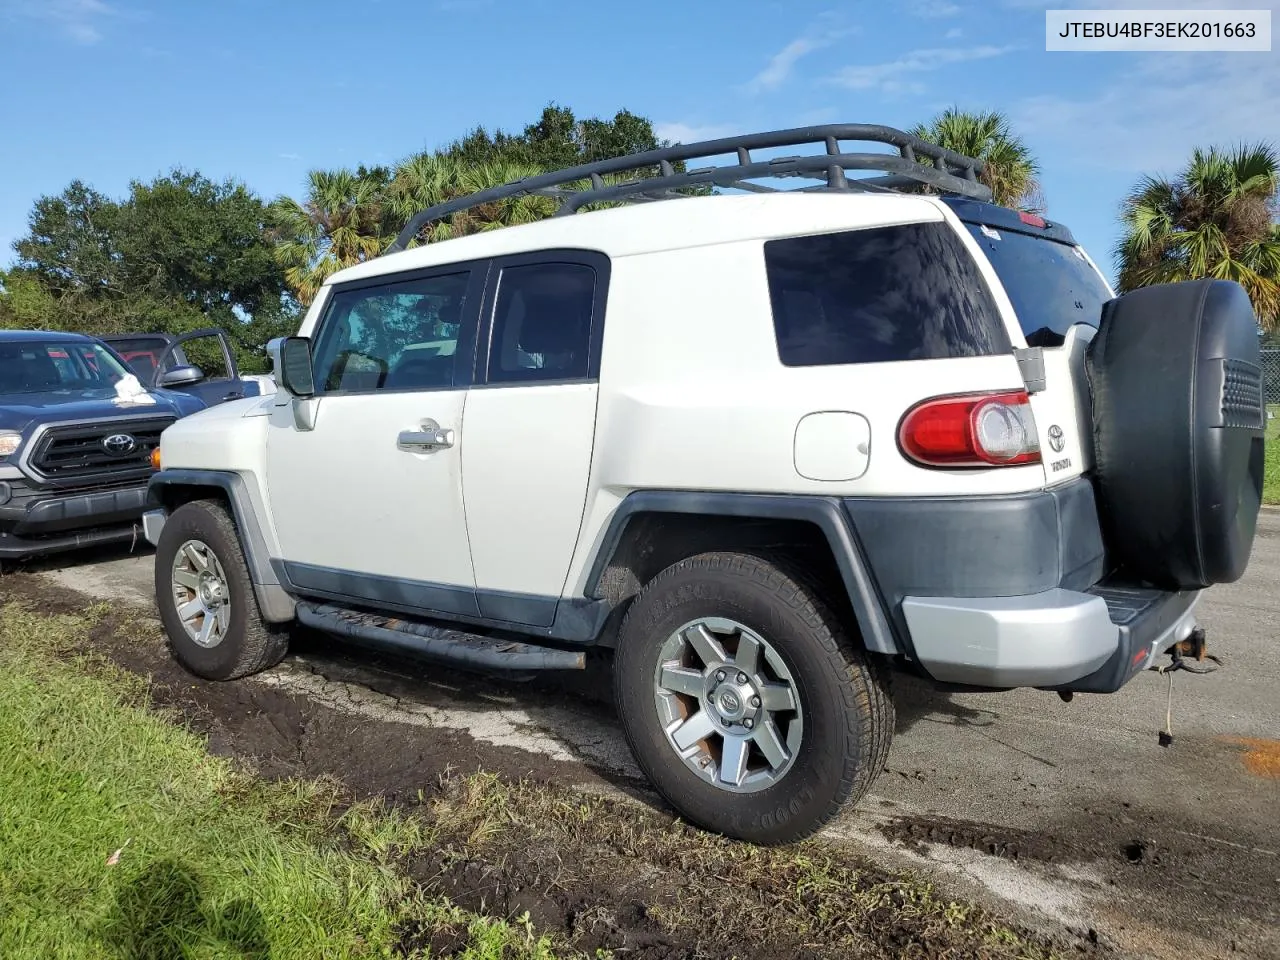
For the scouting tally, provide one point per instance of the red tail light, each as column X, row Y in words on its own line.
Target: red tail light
column 1032, row 219
column 973, row 430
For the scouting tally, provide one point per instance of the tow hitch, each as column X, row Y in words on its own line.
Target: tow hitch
column 1190, row 655
column 1194, row 648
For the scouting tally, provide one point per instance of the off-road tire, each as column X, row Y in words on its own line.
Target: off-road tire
column 250, row 644
column 1178, row 432
column 843, row 690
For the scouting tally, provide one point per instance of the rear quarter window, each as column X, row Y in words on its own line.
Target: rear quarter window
column 906, row 292
column 1051, row 285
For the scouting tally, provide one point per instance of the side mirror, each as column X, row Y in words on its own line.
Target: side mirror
column 296, row 375
column 183, row 376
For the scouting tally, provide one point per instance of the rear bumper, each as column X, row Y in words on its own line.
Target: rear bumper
column 1093, row 641
column 1008, row 591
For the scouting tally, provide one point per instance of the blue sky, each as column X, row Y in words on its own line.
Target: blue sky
column 111, row 90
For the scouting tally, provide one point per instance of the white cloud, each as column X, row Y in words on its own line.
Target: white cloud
column 78, row 19
column 783, row 63
column 1154, row 113
column 1151, row 118
column 899, row 76
column 289, row 156
column 691, row 133
column 955, row 33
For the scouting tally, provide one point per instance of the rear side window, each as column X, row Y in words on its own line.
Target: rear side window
column 908, row 292
column 1051, row 285
column 542, row 324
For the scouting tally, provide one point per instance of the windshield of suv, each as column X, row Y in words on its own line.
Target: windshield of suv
column 37, row 366
column 1051, row 284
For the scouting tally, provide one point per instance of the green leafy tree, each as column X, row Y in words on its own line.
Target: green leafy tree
column 558, row 139
column 1217, row 218
column 186, row 237
column 347, row 217
column 178, row 253
column 1011, row 170
column 69, row 245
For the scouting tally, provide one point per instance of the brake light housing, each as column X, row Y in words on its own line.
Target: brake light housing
column 967, row 431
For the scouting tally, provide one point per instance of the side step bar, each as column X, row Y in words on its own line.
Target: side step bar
column 440, row 643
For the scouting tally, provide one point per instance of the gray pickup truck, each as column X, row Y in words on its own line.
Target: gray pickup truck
column 158, row 360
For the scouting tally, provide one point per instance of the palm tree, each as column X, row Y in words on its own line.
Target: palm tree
column 1010, row 169
column 341, row 222
column 348, row 217
column 428, row 179
column 1215, row 219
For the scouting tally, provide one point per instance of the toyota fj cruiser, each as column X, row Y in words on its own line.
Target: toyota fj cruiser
column 761, row 445
column 75, row 448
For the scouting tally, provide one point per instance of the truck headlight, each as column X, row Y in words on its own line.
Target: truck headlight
column 9, row 442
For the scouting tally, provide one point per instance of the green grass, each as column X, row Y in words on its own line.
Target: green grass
column 208, row 862
column 1271, row 485
column 212, row 863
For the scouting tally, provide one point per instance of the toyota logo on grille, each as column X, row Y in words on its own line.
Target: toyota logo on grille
column 119, row 444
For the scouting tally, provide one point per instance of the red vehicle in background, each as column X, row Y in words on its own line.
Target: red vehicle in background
column 158, row 360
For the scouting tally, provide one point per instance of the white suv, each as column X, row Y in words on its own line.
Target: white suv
column 763, row 446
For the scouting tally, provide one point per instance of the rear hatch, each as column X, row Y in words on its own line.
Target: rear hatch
column 1057, row 295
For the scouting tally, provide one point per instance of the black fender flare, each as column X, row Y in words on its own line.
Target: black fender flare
column 276, row 605
column 825, row 513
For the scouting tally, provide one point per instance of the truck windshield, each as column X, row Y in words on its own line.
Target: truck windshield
column 1051, row 284
column 37, row 366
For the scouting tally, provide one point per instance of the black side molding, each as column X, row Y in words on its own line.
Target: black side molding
column 440, row 643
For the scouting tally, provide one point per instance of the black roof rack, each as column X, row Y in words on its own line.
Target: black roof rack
column 948, row 172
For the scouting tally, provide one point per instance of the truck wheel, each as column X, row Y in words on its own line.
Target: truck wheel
column 206, row 598
column 744, row 701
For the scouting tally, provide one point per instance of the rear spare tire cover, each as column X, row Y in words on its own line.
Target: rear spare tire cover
column 1178, row 420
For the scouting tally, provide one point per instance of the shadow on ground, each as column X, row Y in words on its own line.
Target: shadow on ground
column 164, row 912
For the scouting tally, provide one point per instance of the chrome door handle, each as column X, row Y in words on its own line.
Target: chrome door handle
column 430, row 437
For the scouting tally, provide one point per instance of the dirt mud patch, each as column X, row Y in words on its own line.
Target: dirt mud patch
column 1160, row 888
column 915, row 832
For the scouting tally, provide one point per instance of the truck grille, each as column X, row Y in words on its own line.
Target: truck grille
column 113, row 450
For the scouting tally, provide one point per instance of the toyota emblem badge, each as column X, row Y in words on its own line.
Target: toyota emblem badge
column 119, row 444
column 1056, row 439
